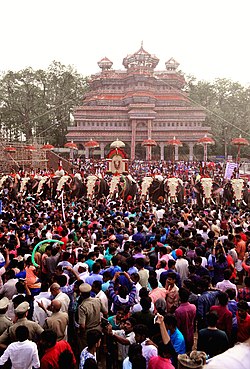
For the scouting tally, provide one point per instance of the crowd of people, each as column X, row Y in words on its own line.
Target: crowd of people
column 124, row 284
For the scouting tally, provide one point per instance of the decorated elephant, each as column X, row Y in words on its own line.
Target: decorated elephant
column 127, row 187
column 174, row 189
column 237, row 191
column 145, row 185
column 156, row 191
column 78, row 188
column 206, row 191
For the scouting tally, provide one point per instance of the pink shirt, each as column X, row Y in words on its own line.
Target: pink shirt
column 158, row 293
column 185, row 315
column 157, row 362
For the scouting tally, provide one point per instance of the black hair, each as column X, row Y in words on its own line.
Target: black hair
column 22, row 333
column 212, row 318
column 184, row 294
column 49, row 336
column 93, row 337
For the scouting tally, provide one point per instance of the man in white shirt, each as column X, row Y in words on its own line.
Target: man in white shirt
column 61, row 296
column 141, row 334
column 226, row 284
column 23, row 353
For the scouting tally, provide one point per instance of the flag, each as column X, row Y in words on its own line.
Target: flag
column 229, row 169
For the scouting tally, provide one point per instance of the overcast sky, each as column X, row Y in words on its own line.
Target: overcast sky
column 209, row 38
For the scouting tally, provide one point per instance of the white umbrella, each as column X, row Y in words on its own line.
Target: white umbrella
column 117, row 143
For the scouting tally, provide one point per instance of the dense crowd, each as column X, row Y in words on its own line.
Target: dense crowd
column 124, row 284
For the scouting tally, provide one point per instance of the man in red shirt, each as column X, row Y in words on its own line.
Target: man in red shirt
column 53, row 350
column 243, row 321
column 185, row 315
column 225, row 317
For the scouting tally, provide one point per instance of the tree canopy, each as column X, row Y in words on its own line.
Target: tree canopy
column 227, row 105
column 38, row 103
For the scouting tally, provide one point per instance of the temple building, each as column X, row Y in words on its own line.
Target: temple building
column 137, row 104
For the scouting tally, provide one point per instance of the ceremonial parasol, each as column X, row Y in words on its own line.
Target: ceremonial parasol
column 239, row 141
column 10, row 149
column 175, row 143
column 149, row 143
column 91, row 144
column 205, row 141
column 117, row 144
column 71, row 145
column 30, row 148
column 47, row 147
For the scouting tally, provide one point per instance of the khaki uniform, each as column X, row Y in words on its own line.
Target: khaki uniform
column 9, row 335
column 4, row 323
column 89, row 313
column 58, row 322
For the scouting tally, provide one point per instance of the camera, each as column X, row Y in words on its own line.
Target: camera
column 104, row 322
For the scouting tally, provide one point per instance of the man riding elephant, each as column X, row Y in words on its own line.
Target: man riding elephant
column 127, row 187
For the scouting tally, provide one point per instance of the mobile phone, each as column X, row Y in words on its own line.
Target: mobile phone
column 104, row 322
column 155, row 318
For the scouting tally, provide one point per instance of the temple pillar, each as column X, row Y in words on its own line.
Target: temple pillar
column 162, row 150
column 133, row 139
column 149, row 148
column 191, row 151
column 176, row 153
column 86, row 153
column 102, row 146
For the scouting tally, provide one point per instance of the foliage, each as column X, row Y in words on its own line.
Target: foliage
column 227, row 105
column 38, row 103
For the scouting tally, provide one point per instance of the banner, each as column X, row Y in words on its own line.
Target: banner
column 230, row 169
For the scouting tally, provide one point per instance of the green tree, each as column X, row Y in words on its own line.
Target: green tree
column 38, row 103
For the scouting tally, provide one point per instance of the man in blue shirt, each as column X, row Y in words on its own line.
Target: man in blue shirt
column 175, row 335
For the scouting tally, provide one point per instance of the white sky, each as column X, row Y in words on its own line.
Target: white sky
column 209, row 38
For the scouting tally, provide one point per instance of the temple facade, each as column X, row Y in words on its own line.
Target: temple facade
column 137, row 104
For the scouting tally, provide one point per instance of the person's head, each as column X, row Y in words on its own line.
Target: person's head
column 153, row 282
column 120, row 313
column 212, row 318
column 21, row 310
column 106, row 276
column 171, row 278
column 134, row 350
column 129, row 325
column 223, row 298
column 170, row 322
column 140, row 263
column 231, row 293
column 96, row 286
column 171, row 264
column 66, row 360
column 242, row 309
column 184, row 294
column 96, row 268
column 89, row 363
column 55, row 289
column 145, row 303
column 141, row 332
column 135, row 277
column 22, row 333
column 48, row 338
column 198, row 261
column 55, row 306
column 227, row 274
column 139, row 362
column 94, row 338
